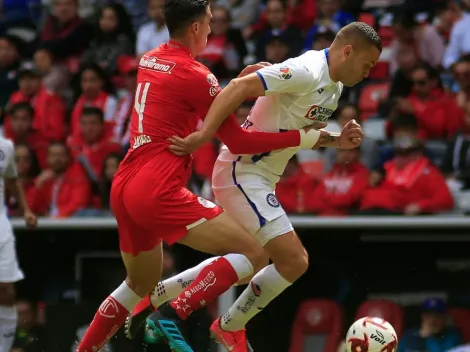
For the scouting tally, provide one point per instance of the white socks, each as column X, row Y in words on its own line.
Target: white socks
column 173, row 286
column 8, row 320
column 125, row 296
column 263, row 288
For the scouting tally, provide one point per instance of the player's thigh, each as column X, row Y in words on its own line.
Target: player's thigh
column 223, row 235
column 285, row 248
column 144, row 270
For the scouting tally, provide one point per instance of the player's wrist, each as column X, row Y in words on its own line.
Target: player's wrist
column 308, row 139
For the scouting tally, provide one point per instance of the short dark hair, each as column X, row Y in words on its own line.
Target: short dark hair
column 22, row 106
column 364, row 32
column 179, row 14
column 404, row 121
column 93, row 111
column 431, row 72
column 464, row 59
column 59, row 144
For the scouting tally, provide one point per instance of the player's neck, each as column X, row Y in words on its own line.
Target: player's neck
column 332, row 68
column 185, row 43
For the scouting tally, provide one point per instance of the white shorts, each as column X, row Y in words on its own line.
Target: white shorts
column 9, row 269
column 250, row 200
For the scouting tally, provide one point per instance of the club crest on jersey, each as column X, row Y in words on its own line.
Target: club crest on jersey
column 318, row 113
column 272, row 200
column 285, row 73
column 155, row 64
column 213, row 91
column 210, row 78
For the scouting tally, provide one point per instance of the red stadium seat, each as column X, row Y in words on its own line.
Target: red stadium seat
column 388, row 310
column 387, row 35
column 315, row 168
column 461, row 319
column 317, row 327
column 368, row 18
column 370, row 98
column 380, row 71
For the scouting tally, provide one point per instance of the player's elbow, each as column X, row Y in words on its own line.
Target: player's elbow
column 247, row 86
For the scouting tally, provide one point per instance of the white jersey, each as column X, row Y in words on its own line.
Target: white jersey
column 7, row 171
column 299, row 92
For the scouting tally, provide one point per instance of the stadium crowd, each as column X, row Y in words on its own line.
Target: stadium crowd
column 68, row 71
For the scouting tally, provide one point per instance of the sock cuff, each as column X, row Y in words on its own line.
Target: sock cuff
column 126, row 297
column 240, row 264
column 272, row 279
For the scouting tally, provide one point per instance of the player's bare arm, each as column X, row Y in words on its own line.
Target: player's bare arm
column 349, row 138
column 15, row 188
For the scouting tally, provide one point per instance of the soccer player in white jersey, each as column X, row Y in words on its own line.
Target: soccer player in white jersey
column 9, row 269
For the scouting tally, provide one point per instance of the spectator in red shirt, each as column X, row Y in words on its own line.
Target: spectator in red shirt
column 93, row 146
column 340, row 191
column 28, row 169
column 97, row 91
column 437, row 113
column 55, row 75
column 49, row 108
column 64, row 33
column 62, row 189
column 22, row 131
column 110, row 167
column 411, row 186
column 295, row 189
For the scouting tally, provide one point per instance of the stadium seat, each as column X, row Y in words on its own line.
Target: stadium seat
column 438, row 151
column 461, row 319
column 380, row 71
column 370, row 98
column 368, row 18
column 317, row 326
column 374, row 128
column 386, row 34
column 388, row 310
column 314, row 168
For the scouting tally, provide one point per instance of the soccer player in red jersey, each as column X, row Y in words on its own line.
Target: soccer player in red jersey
column 149, row 198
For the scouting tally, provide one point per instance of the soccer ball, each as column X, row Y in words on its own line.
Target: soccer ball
column 371, row 334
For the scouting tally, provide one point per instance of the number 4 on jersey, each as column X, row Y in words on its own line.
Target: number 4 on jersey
column 139, row 103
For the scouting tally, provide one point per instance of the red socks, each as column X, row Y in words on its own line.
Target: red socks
column 212, row 281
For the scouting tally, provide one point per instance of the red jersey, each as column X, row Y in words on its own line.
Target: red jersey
column 173, row 92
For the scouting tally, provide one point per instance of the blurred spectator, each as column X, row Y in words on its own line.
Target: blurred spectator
column 461, row 71
column 29, row 336
column 411, row 186
column 64, row 34
column 109, row 169
column 295, row 188
column 9, row 64
column 18, row 13
column 114, row 37
column 456, row 165
column 62, row 189
column 402, row 82
column 96, row 91
column 55, row 75
column 437, row 113
column 425, row 39
column 154, row 33
column 92, row 146
column 276, row 18
column 340, row 191
column 128, row 69
column 277, row 50
column 22, row 131
column 49, row 108
column 459, row 42
column 330, row 18
column 433, row 335
column 242, row 12
column 447, row 16
column 323, row 39
column 369, row 150
column 225, row 48
column 28, row 169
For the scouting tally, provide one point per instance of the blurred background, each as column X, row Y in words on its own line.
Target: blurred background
column 386, row 225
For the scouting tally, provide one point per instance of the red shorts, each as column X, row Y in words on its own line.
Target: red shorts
column 152, row 205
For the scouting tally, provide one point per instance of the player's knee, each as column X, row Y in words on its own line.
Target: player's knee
column 293, row 265
column 258, row 258
column 142, row 287
column 7, row 294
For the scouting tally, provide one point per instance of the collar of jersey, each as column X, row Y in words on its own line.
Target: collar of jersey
column 179, row 46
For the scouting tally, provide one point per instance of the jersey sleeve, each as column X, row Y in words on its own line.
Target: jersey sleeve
column 203, row 87
column 287, row 78
column 10, row 169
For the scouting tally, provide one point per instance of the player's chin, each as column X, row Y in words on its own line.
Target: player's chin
column 351, row 83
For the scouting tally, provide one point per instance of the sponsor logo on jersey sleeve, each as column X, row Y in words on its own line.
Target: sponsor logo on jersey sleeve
column 213, row 91
column 285, row 73
column 210, row 78
column 319, row 113
column 272, row 200
column 206, row 203
column 155, row 64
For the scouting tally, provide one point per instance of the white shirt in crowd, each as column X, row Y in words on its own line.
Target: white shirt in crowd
column 150, row 36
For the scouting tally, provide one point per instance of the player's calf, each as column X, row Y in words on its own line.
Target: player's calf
column 292, row 265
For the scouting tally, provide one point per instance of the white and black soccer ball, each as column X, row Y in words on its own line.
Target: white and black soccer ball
column 371, row 334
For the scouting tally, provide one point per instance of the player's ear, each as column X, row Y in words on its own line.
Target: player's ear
column 347, row 51
column 196, row 27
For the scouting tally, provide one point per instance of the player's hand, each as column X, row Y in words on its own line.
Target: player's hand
column 184, row 146
column 351, row 135
column 43, row 177
column 253, row 68
column 30, row 219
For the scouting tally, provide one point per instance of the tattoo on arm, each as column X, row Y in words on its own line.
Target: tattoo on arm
column 328, row 139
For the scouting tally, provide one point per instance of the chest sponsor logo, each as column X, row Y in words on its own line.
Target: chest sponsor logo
column 155, row 64
column 318, row 113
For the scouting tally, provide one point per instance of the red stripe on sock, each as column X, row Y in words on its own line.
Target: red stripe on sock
column 216, row 278
column 110, row 316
